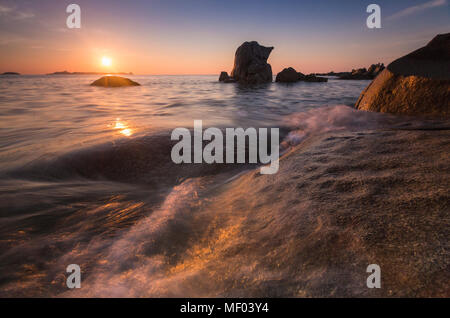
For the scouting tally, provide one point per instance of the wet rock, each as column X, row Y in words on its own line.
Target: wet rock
column 416, row 84
column 114, row 81
column 225, row 78
column 250, row 64
column 288, row 75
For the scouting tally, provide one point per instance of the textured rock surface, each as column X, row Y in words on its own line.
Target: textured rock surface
column 416, row 84
column 114, row 81
column 250, row 64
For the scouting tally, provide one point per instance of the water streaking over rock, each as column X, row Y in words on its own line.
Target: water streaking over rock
column 91, row 183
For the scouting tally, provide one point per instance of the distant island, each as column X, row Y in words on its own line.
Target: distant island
column 10, row 73
column 88, row 73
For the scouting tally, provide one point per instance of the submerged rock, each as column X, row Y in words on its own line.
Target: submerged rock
column 114, row 81
column 416, row 84
column 250, row 64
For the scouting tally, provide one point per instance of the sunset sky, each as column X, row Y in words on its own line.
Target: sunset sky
column 200, row 37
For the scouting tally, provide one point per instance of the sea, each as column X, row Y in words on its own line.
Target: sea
column 86, row 176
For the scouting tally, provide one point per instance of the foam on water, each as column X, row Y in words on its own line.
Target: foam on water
column 87, row 177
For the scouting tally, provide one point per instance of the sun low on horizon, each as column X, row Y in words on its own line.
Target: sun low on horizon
column 106, row 61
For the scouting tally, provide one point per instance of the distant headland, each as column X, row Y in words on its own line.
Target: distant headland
column 10, row 73
column 88, row 73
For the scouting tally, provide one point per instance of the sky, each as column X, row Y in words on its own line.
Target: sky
column 201, row 37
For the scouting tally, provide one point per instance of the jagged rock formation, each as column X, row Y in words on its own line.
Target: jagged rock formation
column 250, row 65
column 416, row 84
column 363, row 73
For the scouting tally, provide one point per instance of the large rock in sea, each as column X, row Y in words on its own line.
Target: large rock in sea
column 288, row 75
column 250, row 64
column 416, row 84
column 114, row 81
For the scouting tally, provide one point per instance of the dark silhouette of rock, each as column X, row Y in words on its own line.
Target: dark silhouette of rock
column 114, row 81
column 225, row 78
column 10, row 73
column 313, row 78
column 363, row 73
column 416, row 84
column 288, row 75
column 250, row 64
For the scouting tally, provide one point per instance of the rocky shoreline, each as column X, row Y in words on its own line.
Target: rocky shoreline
column 416, row 84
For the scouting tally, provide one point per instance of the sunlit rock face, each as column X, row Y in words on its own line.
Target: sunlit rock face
column 416, row 84
column 114, row 81
column 250, row 64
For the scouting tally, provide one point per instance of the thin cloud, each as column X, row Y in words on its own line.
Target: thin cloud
column 5, row 10
column 14, row 13
column 418, row 8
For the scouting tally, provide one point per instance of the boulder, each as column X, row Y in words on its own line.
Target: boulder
column 288, row 75
column 114, row 81
column 416, row 84
column 250, row 64
column 225, row 78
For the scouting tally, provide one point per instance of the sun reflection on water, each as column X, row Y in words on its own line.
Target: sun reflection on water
column 123, row 128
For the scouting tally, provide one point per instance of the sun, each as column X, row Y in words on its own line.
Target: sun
column 106, row 61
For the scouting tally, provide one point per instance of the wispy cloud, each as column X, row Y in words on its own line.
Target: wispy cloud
column 14, row 13
column 5, row 10
column 416, row 9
